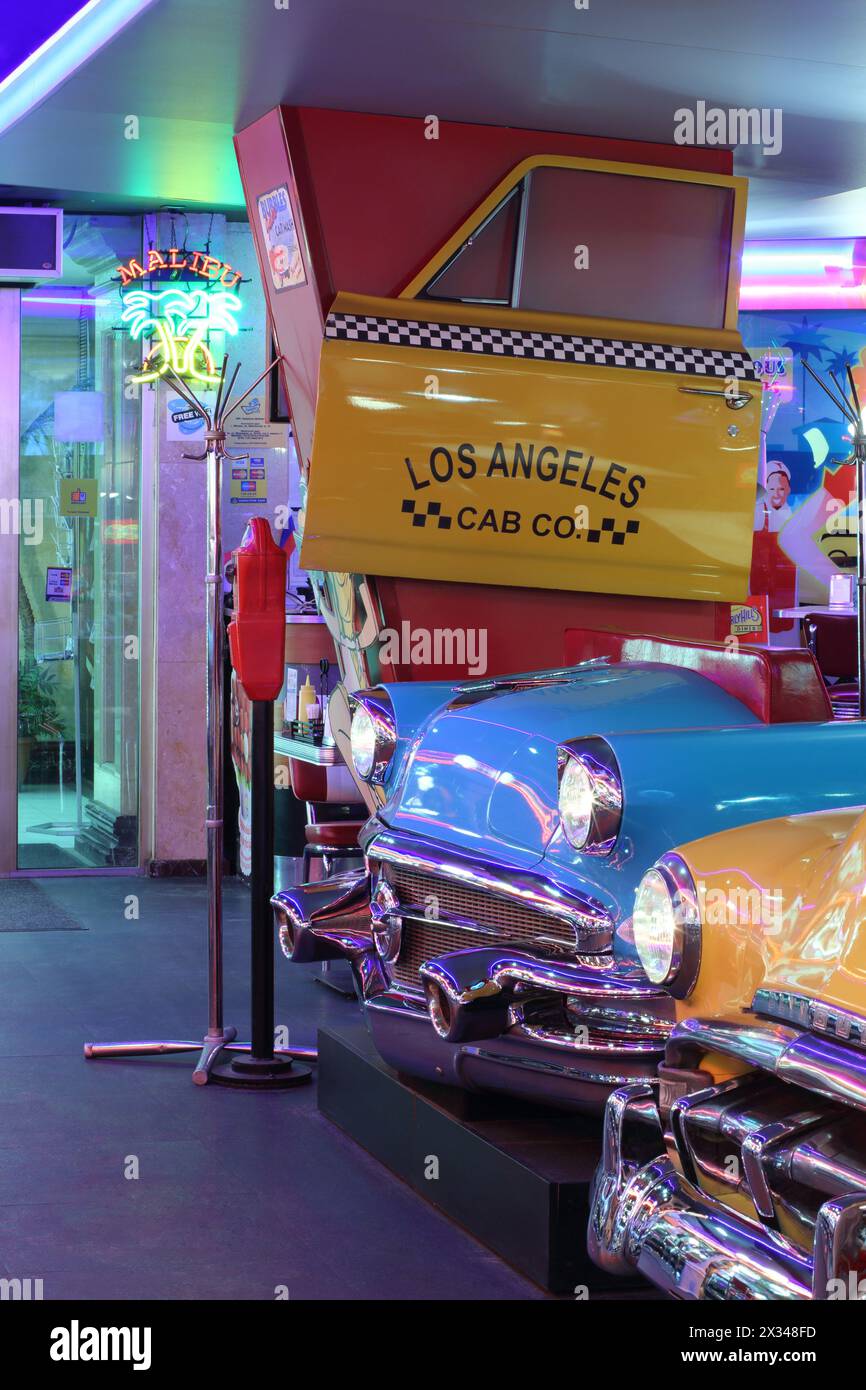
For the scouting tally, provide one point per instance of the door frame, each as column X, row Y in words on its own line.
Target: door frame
column 10, row 444
column 10, row 482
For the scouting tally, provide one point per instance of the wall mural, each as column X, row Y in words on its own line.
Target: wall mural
column 807, row 494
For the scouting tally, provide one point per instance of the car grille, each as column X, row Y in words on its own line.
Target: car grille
column 498, row 918
column 820, row 1158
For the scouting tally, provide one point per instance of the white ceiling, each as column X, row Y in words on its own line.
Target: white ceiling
column 194, row 70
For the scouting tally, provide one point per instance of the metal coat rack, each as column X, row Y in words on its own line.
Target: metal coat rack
column 220, row 1036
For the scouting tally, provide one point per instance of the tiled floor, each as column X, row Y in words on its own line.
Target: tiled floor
column 236, row 1194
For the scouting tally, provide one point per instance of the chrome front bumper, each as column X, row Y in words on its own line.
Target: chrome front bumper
column 645, row 1216
column 525, row 1061
column 524, row 1048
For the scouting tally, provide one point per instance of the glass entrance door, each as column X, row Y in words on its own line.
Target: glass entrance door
column 78, row 573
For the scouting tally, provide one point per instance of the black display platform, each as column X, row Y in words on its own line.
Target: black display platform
column 516, row 1176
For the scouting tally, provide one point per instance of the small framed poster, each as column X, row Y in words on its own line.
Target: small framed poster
column 281, row 239
column 58, row 585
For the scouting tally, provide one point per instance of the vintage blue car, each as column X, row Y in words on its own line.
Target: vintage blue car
column 491, row 930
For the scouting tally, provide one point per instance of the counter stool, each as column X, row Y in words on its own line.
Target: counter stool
column 328, row 840
column 319, row 786
column 832, row 640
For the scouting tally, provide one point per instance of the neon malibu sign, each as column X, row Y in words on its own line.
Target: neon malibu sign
column 197, row 262
column 179, row 316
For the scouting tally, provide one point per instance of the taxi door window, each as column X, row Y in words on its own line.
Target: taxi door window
column 481, row 271
column 623, row 247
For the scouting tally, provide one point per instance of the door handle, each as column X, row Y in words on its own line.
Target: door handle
column 732, row 402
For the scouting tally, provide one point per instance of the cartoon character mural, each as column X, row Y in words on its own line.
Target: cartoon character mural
column 808, row 488
column 773, row 511
column 351, row 613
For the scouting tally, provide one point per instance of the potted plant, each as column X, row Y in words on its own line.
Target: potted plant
column 36, row 708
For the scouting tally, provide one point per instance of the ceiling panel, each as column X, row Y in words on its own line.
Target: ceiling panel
column 192, row 70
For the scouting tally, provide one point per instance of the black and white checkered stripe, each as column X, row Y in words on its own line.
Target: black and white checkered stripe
column 542, row 347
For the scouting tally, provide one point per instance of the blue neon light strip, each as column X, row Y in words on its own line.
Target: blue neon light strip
column 26, row 27
column 62, row 54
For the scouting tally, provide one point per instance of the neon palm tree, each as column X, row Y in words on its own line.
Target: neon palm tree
column 180, row 320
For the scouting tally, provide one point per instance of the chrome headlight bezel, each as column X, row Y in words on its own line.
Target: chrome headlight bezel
column 386, row 919
column 685, row 955
column 377, row 706
column 597, row 759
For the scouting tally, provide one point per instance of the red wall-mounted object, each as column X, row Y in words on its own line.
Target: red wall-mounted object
column 372, row 200
column 775, row 575
column 257, row 633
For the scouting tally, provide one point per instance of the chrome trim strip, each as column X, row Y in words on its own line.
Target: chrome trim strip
column 546, row 1068
column 592, row 925
column 759, row 1047
column 733, row 402
column 470, row 693
column 619, row 1047
column 511, row 963
column 833, row 1070
column 827, row 1019
column 395, row 1001
column 520, row 240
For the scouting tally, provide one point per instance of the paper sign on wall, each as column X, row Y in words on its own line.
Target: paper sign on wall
column 181, row 423
column 58, row 584
column 249, row 482
column 78, row 497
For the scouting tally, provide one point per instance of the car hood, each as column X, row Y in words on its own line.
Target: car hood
column 481, row 773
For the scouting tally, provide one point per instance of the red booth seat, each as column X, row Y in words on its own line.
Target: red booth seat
column 781, row 685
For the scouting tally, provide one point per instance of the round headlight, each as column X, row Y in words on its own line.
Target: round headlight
column 373, row 734
column 655, row 927
column 590, row 795
column 576, row 802
column 363, row 739
column 667, row 926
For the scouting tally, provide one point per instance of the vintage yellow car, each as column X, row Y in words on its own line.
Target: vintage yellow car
column 741, row 1173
